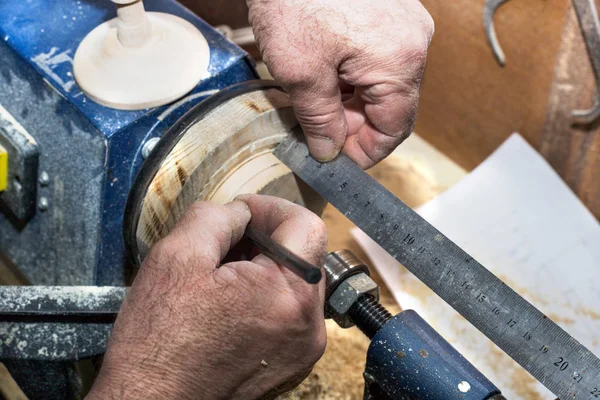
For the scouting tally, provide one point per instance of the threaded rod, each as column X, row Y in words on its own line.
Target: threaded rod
column 368, row 315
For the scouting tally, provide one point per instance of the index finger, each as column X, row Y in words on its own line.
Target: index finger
column 292, row 226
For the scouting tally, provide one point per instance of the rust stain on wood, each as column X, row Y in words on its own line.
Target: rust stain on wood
column 155, row 224
column 253, row 106
column 181, row 174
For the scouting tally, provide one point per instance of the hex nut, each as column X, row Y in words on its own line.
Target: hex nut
column 347, row 293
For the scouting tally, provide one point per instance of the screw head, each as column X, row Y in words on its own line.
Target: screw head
column 44, row 179
column 43, row 204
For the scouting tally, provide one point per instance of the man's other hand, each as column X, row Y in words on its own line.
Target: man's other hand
column 192, row 327
column 352, row 68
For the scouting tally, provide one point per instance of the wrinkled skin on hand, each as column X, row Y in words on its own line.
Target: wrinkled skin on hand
column 353, row 69
column 190, row 329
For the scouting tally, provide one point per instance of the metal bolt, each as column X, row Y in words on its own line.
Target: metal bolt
column 364, row 310
column 339, row 266
column 368, row 315
column 44, row 178
column 43, row 204
column 149, row 146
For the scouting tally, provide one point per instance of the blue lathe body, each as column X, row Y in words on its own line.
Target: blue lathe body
column 73, row 161
column 72, row 164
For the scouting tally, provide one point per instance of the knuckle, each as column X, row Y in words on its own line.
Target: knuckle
column 317, row 234
column 215, row 218
column 165, row 249
column 241, row 274
column 300, row 315
column 429, row 25
column 202, row 209
column 319, row 229
column 229, row 290
column 295, row 320
column 411, row 48
column 303, row 310
column 425, row 21
column 226, row 275
column 315, row 121
column 416, row 50
column 290, row 76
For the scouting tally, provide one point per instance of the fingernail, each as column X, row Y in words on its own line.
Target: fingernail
column 238, row 206
column 241, row 197
column 322, row 148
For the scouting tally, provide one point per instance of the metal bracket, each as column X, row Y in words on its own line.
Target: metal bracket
column 57, row 323
column 590, row 28
column 589, row 23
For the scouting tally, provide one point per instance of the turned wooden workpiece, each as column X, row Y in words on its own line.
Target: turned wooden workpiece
column 227, row 153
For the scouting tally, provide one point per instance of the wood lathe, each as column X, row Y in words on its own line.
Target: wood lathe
column 89, row 92
column 126, row 133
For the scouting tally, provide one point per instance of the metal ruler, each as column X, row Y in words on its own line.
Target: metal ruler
column 538, row 344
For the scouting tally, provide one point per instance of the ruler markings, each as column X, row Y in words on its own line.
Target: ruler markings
column 516, row 326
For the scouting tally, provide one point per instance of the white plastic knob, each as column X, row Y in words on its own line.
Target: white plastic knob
column 140, row 59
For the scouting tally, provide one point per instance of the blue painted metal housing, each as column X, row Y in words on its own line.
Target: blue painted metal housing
column 91, row 153
column 408, row 359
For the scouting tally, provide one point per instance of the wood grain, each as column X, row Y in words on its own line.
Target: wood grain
column 226, row 153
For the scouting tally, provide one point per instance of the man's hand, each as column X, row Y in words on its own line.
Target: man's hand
column 190, row 329
column 352, row 68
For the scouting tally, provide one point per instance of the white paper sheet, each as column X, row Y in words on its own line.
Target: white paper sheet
column 516, row 216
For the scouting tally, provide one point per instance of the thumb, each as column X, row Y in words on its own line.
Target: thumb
column 207, row 232
column 317, row 102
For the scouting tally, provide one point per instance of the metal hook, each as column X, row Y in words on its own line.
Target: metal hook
column 489, row 10
column 589, row 24
column 590, row 28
